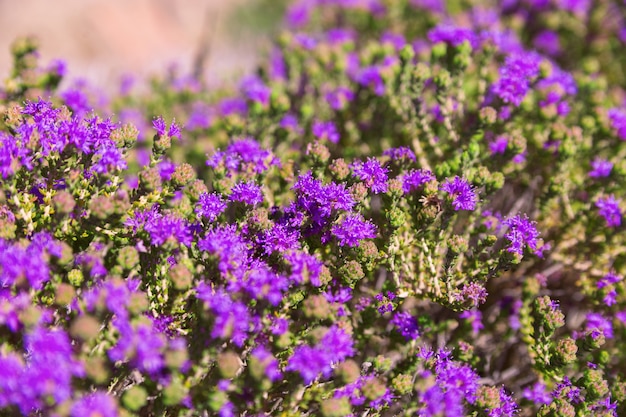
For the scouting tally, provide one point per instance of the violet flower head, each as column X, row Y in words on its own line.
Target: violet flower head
column 247, row 192
column 339, row 98
column 608, row 207
column 601, row 168
column 352, row 229
column 304, row 268
column 159, row 125
column 210, row 206
column 372, row 173
column 256, row 90
column 232, row 319
column 311, row 362
column 414, row 179
column 228, row 246
column 325, row 130
column 233, row 105
column 521, row 233
column 269, row 362
column 499, row 145
column 161, row 128
column 547, row 41
column 515, row 76
column 474, row 317
column 402, row 153
column 372, row 77
column 463, row 197
column 406, row 325
column 97, row 403
column 537, row 394
column 452, row 35
column 617, row 118
column 599, row 325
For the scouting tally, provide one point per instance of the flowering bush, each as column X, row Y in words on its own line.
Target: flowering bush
column 414, row 208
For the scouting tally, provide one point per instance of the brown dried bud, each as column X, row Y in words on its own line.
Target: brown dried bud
column 85, row 328
column 316, row 306
column 196, row 188
column 102, row 207
column 150, row 179
column 229, row 364
column 183, row 175
column 348, row 371
column 63, row 202
column 336, row 407
column 181, row 277
column 64, row 294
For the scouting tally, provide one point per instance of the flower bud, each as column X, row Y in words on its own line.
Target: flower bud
column 63, row 202
column 317, row 307
column 228, row 364
column 348, row 371
column 336, row 407
column 135, row 398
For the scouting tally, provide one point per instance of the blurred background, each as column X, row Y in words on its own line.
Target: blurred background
column 103, row 40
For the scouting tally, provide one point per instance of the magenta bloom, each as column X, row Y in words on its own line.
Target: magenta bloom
column 352, row 229
column 210, row 206
column 464, row 198
column 609, row 209
column 372, row 173
column 600, row 168
column 522, row 232
column 247, row 192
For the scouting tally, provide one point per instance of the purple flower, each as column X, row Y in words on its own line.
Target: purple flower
column 401, row 153
column 452, row 35
column 352, row 229
column 231, row 318
column 414, row 179
column 406, row 325
column 141, row 344
column 233, row 105
column 537, row 394
column 278, row 238
column 247, row 192
column 97, row 403
column 617, row 117
column 310, row 362
column 210, row 206
column 372, row 173
column 395, row 39
column 499, row 145
column 319, row 200
column 269, row 361
column 548, row 41
column 464, row 198
column 515, row 76
column 304, row 267
column 371, row 77
column 599, row 325
column 339, row 98
column 161, row 128
column 278, row 68
column 600, row 168
column 325, row 130
column 256, row 90
column 338, row 36
column 609, row 209
column 228, row 246
column 474, row 317
column 521, row 233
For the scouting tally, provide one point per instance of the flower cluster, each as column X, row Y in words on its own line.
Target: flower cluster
column 413, row 207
